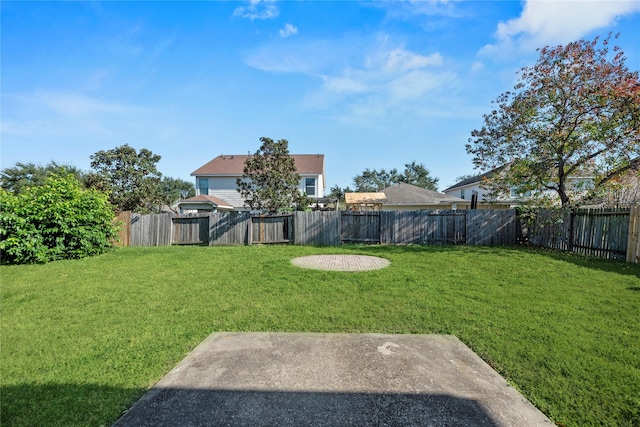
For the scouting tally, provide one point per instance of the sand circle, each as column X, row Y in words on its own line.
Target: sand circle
column 340, row 262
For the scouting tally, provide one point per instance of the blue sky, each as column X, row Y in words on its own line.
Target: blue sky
column 372, row 84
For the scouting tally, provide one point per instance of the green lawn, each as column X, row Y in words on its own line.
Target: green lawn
column 82, row 340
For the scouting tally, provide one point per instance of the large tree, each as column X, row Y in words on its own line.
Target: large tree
column 372, row 180
column 130, row 177
column 175, row 189
column 17, row 178
column 270, row 181
column 575, row 112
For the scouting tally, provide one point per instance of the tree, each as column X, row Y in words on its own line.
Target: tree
column 270, row 182
column 17, row 178
column 621, row 191
column 130, row 177
column 576, row 110
column 372, row 180
column 55, row 220
column 175, row 189
column 417, row 174
column 337, row 192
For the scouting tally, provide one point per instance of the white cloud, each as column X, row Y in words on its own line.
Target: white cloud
column 288, row 30
column 477, row 66
column 73, row 104
column 411, row 8
column 60, row 113
column 544, row 22
column 388, row 82
column 361, row 75
column 258, row 9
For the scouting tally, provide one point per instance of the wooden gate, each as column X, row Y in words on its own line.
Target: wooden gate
column 266, row 229
column 190, row 230
column 360, row 227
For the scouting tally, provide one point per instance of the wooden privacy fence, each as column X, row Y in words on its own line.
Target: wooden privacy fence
column 603, row 233
column 484, row 227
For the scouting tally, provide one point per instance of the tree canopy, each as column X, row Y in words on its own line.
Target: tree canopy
column 270, row 182
column 372, row 180
column 17, row 178
column 576, row 112
column 130, row 177
column 175, row 189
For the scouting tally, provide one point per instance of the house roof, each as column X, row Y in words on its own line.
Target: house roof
column 475, row 179
column 407, row 194
column 364, row 198
column 233, row 165
column 216, row 202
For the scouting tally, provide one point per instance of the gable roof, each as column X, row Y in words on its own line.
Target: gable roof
column 233, row 165
column 407, row 194
column 216, row 202
column 477, row 178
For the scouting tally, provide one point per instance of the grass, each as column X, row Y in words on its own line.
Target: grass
column 82, row 340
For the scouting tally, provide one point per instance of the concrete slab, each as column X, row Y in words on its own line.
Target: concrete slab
column 259, row 379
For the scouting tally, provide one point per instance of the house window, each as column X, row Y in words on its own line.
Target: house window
column 310, row 186
column 462, row 193
column 203, row 187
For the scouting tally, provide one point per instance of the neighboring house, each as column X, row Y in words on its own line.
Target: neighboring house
column 217, row 179
column 403, row 196
column 475, row 185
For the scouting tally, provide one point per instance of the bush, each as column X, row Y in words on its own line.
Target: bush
column 57, row 220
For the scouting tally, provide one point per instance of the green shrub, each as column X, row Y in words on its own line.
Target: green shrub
column 57, row 220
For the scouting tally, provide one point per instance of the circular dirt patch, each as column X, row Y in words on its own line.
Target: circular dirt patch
column 341, row 262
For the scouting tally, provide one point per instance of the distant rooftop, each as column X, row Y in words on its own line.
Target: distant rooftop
column 233, row 165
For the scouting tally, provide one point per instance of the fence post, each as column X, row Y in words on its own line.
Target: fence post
column 633, row 242
column 570, row 242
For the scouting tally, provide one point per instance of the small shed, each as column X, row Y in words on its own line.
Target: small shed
column 364, row 201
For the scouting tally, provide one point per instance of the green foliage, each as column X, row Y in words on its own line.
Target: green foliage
column 53, row 221
column 17, row 178
column 270, row 182
column 130, row 177
column 175, row 189
column 338, row 192
column 575, row 112
column 372, row 180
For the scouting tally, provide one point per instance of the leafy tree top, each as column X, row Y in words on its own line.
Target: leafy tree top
column 174, row 189
column 131, row 177
column 577, row 108
column 270, row 182
column 372, row 180
column 17, row 178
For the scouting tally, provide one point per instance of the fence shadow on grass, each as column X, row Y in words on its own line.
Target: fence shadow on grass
column 75, row 404
column 610, row 266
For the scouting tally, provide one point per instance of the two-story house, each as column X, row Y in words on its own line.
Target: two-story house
column 217, row 189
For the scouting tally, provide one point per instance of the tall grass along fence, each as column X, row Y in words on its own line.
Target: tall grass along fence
column 603, row 233
column 486, row 227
